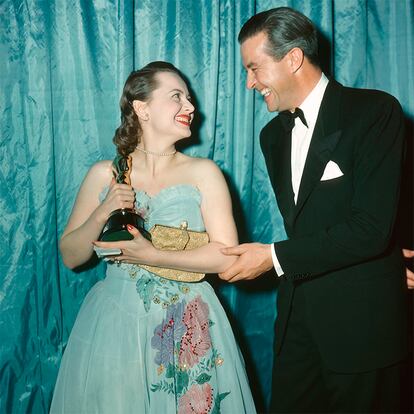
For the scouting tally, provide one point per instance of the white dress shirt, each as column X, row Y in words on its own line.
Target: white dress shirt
column 301, row 139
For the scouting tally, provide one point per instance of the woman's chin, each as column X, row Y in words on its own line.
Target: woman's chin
column 185, row 135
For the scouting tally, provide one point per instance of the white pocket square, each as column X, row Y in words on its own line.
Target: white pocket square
column 332, row 171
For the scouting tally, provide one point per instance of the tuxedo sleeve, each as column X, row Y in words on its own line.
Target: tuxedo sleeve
column 365, row 232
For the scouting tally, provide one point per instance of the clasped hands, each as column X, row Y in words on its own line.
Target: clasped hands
column 253, row 260
column 256, row 258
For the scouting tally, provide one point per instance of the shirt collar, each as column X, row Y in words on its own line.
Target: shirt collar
column 310, row 106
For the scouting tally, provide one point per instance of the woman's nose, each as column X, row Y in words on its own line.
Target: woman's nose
column 189, row 107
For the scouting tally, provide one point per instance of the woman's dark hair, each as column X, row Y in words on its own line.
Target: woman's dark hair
column 139, row 86
column 285, row 28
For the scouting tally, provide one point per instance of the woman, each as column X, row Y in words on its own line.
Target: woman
column 142, row 343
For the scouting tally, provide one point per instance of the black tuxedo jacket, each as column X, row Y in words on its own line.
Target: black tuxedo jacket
column 340, row 244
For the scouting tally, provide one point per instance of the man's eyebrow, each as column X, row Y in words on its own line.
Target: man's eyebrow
column 250, row 65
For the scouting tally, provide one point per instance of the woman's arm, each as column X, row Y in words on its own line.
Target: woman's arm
column 89, row 215
column 218, row 218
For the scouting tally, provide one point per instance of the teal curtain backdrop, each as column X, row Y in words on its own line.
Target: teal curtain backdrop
column 63, row 64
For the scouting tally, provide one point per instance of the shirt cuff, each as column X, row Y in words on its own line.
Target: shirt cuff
column 276, row 264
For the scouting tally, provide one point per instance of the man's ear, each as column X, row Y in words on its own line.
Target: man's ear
column 296, row 58
column 140, row 109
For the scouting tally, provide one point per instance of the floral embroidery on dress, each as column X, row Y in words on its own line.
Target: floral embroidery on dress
column 167, row 334
column 196, row 341
column 186, row 359
column 155, row 289
column 198, row 399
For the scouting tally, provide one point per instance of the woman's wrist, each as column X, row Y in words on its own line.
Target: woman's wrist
column 99, row 216
column 152, row 256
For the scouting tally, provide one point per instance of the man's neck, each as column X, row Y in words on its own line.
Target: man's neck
column 306, row 82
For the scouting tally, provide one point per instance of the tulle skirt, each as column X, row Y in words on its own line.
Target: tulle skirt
column 154, row 346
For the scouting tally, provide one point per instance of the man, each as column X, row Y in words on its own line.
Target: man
column 335, row 167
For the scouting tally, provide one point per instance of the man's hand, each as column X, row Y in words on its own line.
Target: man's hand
column 254, row 259
column 409, row 254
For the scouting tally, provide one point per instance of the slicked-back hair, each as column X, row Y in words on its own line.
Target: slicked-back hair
column 285, row 28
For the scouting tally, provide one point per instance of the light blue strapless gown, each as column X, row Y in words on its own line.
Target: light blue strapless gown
column 143, row 344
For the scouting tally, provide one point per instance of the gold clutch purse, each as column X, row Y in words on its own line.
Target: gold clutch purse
column 173, row 238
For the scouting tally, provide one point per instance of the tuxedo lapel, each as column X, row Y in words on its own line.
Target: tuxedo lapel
column 324, row 140
column 280, row 170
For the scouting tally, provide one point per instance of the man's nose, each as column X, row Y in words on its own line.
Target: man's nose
column 250, row 82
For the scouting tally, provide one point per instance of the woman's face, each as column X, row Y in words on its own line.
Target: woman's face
column 170, row 109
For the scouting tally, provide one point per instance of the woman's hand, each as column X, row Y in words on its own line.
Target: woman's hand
column 119, row 196
column 136, row 251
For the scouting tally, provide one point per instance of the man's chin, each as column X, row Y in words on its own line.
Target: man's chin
column 271, row 108
column 271, row 105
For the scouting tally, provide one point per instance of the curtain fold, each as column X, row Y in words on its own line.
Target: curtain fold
column 64, row 64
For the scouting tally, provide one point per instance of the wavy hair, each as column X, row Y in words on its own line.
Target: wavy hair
column 139, row 85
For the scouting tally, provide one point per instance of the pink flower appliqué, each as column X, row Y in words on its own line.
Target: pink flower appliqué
column 196, row 341
column 197, row 400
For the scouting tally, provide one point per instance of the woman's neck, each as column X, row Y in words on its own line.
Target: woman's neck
column 151, row 164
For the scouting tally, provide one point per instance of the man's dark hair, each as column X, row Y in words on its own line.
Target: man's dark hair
column 285, row 28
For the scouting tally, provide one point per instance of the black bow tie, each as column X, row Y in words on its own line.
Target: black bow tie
column 288, row 118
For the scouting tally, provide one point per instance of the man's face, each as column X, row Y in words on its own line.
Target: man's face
column 273, row 79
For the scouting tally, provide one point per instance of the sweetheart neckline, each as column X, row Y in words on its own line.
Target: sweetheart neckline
column 163, row 190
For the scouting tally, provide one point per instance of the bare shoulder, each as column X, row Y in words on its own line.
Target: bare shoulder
column 202, row 167
column 102, row 168
column 99, row 175
column 205, row 174
column 101, row 171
